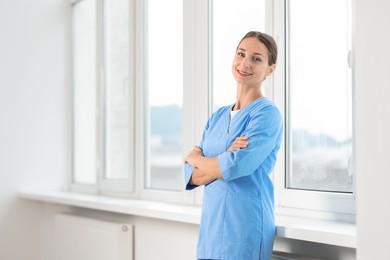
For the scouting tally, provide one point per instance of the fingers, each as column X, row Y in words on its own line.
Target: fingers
column 239, row 143
column 242, row 138
column 196, row 151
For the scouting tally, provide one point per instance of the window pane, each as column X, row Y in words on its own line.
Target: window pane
column 117, row 92
column 84, row 91
column 230, row 23
column 164, row 77
column 320, row 107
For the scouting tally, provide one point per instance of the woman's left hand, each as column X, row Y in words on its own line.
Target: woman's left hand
column 193, row 155
column 240, row 143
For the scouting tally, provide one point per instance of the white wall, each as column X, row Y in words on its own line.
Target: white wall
column 34, row 53
column 372, row 57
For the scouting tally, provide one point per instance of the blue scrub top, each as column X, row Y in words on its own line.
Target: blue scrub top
column 237, row 220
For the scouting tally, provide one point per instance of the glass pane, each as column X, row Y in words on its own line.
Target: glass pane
column 84, row 91
column 164, row 77
column 230, row 23
column 320, row 95
column 117, row 92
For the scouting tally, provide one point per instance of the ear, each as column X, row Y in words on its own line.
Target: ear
column 271, row 69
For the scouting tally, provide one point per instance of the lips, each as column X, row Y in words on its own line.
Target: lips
column 243, row 73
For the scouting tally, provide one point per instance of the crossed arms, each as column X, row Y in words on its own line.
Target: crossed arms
column 207, row 169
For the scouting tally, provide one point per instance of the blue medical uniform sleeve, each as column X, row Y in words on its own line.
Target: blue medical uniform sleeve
column 188, row 169
column 264, row 131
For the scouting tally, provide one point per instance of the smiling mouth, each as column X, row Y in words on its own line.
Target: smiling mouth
column 243, row 73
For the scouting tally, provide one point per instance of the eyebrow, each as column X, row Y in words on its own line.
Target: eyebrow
column 256, row 53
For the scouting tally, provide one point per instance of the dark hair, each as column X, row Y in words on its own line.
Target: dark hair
column 268, row 41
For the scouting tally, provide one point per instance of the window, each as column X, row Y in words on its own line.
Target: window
column 117, row 97
column 164, row 94
column 147, row 74
column 84, row 92
column 318, row 103
column 102, row 96
column 320, row 96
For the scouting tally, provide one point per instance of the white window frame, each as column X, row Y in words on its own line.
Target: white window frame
column 111, row 186
column 195, row 95
column 327, row 205
column 124, row 188
column 72, row 185
column 195, row 98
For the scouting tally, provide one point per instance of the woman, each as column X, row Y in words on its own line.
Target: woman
column 235, row 158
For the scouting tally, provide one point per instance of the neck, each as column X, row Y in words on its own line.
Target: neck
column 246, row 95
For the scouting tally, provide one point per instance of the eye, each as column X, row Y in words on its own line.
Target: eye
column 256, row 59
column 241, row 54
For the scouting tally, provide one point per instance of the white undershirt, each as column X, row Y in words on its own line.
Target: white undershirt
column 233, row 113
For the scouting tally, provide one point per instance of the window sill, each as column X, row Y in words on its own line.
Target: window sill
column 318, row 231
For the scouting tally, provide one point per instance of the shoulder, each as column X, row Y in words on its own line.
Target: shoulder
column 266, row 107
column 265, row 114
column 217, row 116
column 220, row 112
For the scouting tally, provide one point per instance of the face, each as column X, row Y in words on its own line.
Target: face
column 250, row 64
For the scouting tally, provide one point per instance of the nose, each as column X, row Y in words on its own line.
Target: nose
column 246, row 62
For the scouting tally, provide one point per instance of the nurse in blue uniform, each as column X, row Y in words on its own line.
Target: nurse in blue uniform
column 236, row 155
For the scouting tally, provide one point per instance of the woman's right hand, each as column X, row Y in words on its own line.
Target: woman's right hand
column 239, row 143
